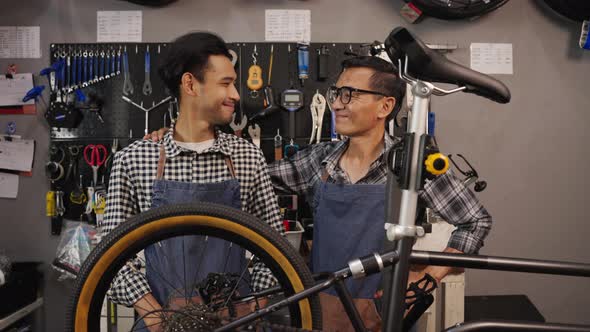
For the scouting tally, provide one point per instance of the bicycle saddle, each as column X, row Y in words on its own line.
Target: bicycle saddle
column 428, row 65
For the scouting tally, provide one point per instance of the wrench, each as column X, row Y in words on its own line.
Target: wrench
column 254, row 132
column 147, row 85
column 237, row 128
column 127, row 85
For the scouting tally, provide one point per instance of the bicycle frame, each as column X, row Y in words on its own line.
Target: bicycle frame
column 403, row 234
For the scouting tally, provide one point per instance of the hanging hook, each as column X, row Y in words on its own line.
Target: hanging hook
column 254, row 55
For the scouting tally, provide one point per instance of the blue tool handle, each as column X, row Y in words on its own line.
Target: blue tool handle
column 91, row 68
column 101, row 67
column 74, row 66
column 147, row 62
column 431, row 122
column 303, row 61
column 80, row 96
column 85, row 78
column 79, row 70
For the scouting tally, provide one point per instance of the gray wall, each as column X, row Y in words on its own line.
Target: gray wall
column 532, row 152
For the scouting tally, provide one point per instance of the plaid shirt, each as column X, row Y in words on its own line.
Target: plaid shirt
column 130, row 192
column 446, row 194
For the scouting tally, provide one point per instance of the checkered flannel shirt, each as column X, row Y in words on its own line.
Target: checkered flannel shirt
column 446, row 194
column 130, row 192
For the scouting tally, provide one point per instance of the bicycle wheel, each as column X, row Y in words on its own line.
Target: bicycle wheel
column 237, row 227
column 574, row 10
column 457, row 9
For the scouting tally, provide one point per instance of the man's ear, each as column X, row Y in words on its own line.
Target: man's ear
column 189, row 84
column 387, row 105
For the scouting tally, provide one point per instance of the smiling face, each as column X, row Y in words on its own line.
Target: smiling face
column 364, row 112
column 217, row 94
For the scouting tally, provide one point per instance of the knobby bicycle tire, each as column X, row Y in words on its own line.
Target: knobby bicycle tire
column 205, row 219
column 457, row 9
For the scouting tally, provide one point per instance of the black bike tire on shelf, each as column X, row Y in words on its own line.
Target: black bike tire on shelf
column 438, row 10
column 200, row 218
column 574, row 10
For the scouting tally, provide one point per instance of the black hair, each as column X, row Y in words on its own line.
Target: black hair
column 384, row 80
column 189, row 53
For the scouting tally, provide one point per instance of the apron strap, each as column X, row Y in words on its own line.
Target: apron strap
column 230, row 166
column 161, row 163
column 325, row 175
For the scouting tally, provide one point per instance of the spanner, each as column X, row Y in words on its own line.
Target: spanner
column 254, row 132
column 237, row 128
column 147, row 85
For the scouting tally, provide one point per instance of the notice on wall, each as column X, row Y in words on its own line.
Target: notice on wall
column 8, row 185
column 287, row 25
column 17, row 154
column 19, row 42
column 119, row 26
column 491, row 58
column 12, row 90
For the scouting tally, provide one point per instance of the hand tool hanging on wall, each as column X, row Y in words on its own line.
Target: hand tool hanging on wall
column 323, row 63
column 93, row 104
column 119, row 61
column 107, row 69
column 95, row 69
column 73, row 80
column 303, row 62
column 147, row 85
column 72, row 170
column 278, row 142
column 59, row 113
column 101, row 66
column 234, row 57
column 254, row 76
column 57, row 219
column 79, row 69
column 67, row 83
column 127, row 85
column 113, row 62
column 269, row 98
column 91, row 74
column 50, row 204
column 317, row 108
column 147, row 111
column 291, row 101
column 254, row 132
column 95, row 156
column 238, row 127
column 77, row 195
column 85, row 69
column 51, row 212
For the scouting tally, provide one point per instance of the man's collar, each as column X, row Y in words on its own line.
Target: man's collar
column 330, row 162
column 221, row 144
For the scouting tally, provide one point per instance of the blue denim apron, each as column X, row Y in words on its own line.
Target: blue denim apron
column 173, row 266
column 348, row 223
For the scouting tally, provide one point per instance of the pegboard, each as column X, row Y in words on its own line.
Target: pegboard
column 126, row 123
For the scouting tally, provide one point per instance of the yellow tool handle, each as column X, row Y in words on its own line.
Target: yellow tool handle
column 50, row 204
